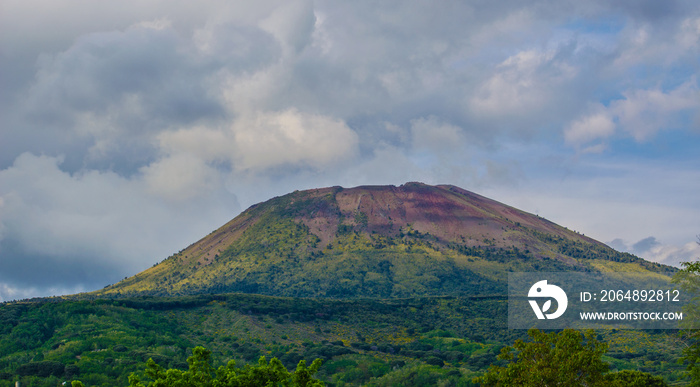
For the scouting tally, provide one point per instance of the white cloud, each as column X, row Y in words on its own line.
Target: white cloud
column 157, row 24
column 666, row 44
column 13, row 293
column 210, row 144
column 292, row 24
column 674, row 255
column 651, row 249
column 436, row 136
column 181, row 177
column 513, row 88
column 259, row 141
column 266, row 140
column 522, row 85
column 591, row 127
column 689, row 34
column 642, row 114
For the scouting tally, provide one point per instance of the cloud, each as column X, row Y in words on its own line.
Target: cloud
column 101, row 70
column 641, row 114
column 515, row 97
column 596, row 126
column 645, row 244
column 658, row 44
column 618, row 244
column 180, row 177
column 436, row 136
column 292, row 24
column 652, row 249
column 87, row 229
column 674, row 255
column 260, row 141
column 689, row 34
column 267, row 140
column 114, row 91
column 111, row 93
column 522, row 84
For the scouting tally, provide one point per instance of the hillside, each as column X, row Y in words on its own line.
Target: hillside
column 374, row 241
column 425, row 341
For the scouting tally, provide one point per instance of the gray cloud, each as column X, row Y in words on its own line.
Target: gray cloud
column 62, row 230
column 395, row 63
column 109, row 93
column 645, row 245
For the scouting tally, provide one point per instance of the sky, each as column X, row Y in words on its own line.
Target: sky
column 131, row 129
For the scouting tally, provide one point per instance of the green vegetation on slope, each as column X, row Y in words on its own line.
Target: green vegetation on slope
column 386, row 242
column 278, row 256
column 689, row 280
column 415, row 341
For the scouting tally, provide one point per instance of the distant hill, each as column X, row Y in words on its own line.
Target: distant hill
column 375, row 241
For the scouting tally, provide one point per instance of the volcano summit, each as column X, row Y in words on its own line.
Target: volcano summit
column 375, row 241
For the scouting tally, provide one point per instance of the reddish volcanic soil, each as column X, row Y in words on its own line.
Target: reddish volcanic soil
column 447, row 212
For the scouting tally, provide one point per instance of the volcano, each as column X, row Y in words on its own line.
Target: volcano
column 375, row 241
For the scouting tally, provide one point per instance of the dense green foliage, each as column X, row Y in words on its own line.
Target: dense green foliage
column 201, row 374
column 414, row 341
column 567, row 359
column 689, row 281
column 633, row 378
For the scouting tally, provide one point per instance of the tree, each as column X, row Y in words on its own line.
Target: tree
column 689, row 280
column 629, row 378
column 567, row 358
column 201, row 374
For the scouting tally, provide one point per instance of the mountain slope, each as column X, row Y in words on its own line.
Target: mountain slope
column 375, row 241
column 362, row 342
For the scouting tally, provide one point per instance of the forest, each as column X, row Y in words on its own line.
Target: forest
column 412, row 341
